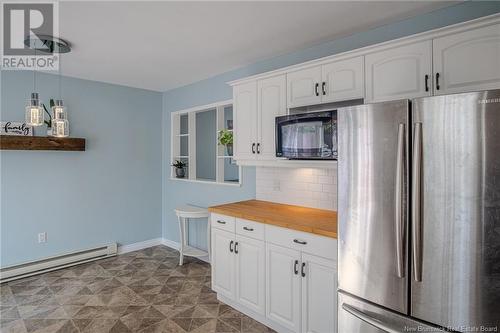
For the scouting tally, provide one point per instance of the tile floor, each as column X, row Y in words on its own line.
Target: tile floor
column 142, row 291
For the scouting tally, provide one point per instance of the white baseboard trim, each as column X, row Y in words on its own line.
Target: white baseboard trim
column 139, row 245
column 153, row 242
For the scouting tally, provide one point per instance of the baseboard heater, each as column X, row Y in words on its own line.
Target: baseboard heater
column 57, row 262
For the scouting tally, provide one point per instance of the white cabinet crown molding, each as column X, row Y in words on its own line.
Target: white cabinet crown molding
column 426, row 35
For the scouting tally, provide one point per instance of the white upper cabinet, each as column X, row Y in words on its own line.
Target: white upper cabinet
column 336, row 81
column 304, row 87
column 245, row 116
column 467, row 61
column 342, row 80
column 397, row 73
column 271, row 103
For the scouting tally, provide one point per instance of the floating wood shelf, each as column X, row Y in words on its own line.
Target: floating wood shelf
column 8, row 142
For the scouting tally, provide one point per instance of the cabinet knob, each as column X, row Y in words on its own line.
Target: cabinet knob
column 323, row 88
column 247, row 229
column 303, row 272
column 258, row 148
column 426, row 82
column 236, row 247
column 231, row 246
column 316, row 86
column 295, row 267
column 221, row 222
column 253, row 148
column 437, row 81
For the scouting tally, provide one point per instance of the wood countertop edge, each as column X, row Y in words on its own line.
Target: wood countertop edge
column 298, row 227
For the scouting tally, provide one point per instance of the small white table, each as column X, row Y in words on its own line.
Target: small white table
column 184, row 213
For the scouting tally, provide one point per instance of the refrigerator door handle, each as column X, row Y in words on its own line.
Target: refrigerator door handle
column 360, row 314
column 416, row 198
column 399, row 209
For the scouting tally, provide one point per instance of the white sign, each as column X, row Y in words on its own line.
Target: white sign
column 15, row 128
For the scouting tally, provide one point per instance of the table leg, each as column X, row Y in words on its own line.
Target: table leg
column 181, row 239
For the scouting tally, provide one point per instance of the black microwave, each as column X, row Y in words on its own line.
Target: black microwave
column 307, row 136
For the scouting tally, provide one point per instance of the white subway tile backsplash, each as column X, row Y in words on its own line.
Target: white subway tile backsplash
column 307, row 187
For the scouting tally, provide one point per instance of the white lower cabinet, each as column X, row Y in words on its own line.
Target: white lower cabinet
column 283, row 284
column 291, row 287
column 319, row 295
column 250, row 273
column 223, row 263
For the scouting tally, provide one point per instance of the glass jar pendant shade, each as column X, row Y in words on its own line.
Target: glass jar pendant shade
column 60, row 128
column 59, row 111
column 34, row 111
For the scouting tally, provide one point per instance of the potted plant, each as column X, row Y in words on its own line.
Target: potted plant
column 180, row 170
column 226, row 139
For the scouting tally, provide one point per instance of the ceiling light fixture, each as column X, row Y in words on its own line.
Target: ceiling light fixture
column 34, row 111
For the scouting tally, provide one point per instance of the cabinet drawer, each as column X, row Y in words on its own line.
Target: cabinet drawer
column 223, row 222
column 321, row 246
column 250, row 229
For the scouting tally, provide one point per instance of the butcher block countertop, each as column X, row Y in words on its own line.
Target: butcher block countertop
column 312, row 220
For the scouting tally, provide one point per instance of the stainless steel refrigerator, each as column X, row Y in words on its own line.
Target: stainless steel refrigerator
column 419, row 215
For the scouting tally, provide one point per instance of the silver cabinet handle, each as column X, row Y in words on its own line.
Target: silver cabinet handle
column 221, row 222
column 301, row 242
column 399, row 209
column 416, row 197
column 368, row 319
column 248, row 229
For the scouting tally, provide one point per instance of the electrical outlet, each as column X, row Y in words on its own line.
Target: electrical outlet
column 42, row 237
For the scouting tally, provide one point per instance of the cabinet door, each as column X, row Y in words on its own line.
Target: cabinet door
column 319, row 295
column 245, row 116
column 399, row 73
column 343, row 80
column 467, row 61
column 304, row 87
column 283, row 286
column 271, row 99
column 223, row 263
column 250, row 276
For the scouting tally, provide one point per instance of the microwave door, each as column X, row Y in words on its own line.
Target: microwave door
column 303, row 139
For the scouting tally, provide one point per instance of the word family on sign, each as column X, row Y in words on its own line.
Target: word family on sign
column 15, row 128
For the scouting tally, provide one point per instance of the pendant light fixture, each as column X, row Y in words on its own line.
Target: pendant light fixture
column 34, row 114
column 35, row 109
column 60, row 123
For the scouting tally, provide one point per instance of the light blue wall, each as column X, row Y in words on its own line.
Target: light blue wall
column 111, row 192
column 215, row 89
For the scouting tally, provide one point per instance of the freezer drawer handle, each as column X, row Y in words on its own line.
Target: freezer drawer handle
column 399, row 209
column 416, row 197
column 367, row 318
column 301, row 242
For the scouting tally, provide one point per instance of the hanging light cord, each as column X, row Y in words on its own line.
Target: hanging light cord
column 34, row 72
column 60, row 76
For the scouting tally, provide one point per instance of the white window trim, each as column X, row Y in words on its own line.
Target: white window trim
column 174, row 135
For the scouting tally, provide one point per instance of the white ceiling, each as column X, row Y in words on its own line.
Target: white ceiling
column 163, row 45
